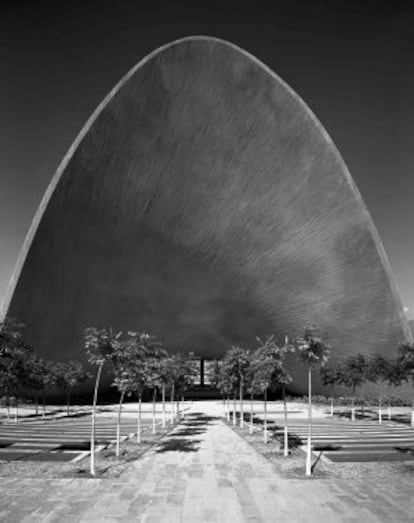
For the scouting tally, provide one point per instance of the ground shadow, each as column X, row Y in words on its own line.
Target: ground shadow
column 190, row 431
column 294, row 440
column 178, row 445
column 194, row 425
column 401, row 418
column 359, row 415
column 409, row 451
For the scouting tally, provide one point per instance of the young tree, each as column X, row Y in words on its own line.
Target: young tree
column 377, row 372
column 406, row 361
column 284, row 379
column 14, row 356
column 34, row 380
column 330, row 375
column 154, row 368
column 266, row 367
column 184, row 373
column 236, row 363
column 69, row 375
column 252, row 390
column 13, row 372
column 49, row 372
column 166, row 377
column 140, row 351
column 223, row 382
column 123, row 362
column 99, row 346
column 395, row 375
column 353, row 375
column 312, row 352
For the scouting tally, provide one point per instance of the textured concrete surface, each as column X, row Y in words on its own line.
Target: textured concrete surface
column 205, row 203
column 204, row 472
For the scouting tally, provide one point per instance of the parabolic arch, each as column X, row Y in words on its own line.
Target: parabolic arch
column 204, row 202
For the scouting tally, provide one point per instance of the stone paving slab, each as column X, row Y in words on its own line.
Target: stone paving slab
column 204, row 472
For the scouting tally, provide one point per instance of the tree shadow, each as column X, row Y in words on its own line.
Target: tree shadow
column 190, row 431
column 178, row 445
column 294, row 440
column 402, row 418
column 408, row 451
column 359, row 415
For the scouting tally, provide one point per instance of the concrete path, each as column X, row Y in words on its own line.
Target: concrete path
column 204, row 472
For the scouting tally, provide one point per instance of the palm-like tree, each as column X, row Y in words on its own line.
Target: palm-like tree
column 99, row 346
column 312, row 352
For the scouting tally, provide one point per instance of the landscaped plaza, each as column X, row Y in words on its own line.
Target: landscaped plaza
column 202, row 324
column 204, row 468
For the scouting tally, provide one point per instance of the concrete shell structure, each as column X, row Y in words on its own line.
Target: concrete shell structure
column 205, row 203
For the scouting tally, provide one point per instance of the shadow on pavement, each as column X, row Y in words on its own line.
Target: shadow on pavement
column 181, row 438
column 178, row 445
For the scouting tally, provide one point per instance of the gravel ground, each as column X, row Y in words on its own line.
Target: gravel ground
column 294, row 465
column 107, row 465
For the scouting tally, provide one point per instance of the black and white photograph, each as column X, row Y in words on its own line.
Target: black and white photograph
column 206, row 261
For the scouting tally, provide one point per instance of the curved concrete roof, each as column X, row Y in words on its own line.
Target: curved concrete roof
column 205, row 203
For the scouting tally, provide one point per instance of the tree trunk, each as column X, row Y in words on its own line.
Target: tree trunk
column 228, row 409
column 389, row 405
column 68, row 402
column 16, row 410
column 251, row 413
column 163, row 405
column 139, row 418
column 8, row 402
column 234, row 410
column 154, row 397
column 380, row 408
column 265, row 417
column 172, row 404
column 362, row 402
column 412, row 412
column 95, row 398
column 177, row 405
column 182, row 405
column 118, row 426
column 285, row 429
column 241, row 405
column 309, row 442
column 353, row 405
column 43, row 402
column 332, row 401
column 37, row 404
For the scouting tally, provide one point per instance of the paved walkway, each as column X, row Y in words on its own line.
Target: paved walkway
column 204, row 472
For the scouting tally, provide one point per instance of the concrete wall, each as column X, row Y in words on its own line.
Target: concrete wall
column 204, row 202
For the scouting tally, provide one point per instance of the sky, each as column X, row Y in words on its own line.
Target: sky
column 351, row 62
